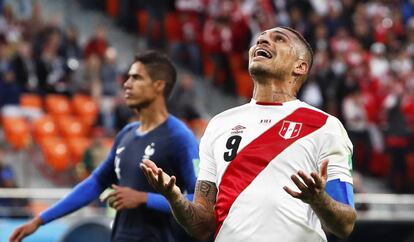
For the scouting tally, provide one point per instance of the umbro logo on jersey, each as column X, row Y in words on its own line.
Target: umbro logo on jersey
column 290, row 129
column 238, row 129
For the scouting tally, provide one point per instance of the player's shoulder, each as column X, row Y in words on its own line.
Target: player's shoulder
column 232, row 113
column 332, row 125
column 127, row 128
column 178, row 128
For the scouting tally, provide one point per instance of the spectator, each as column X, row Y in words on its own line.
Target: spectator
column 356, row 122
column 157, row 9
column 9, row 88
column 183, row 102
column 51, row 66
column 397, row 135
column 109, row 88
column 97, row 44
column 23, row 67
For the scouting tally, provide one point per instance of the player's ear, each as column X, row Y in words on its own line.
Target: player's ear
column 159, row 85
column 301, row 67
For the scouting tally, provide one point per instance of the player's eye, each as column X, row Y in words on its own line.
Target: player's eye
column 279, row 38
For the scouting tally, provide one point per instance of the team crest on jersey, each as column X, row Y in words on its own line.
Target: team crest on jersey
column 149, row 151
column 290, row 129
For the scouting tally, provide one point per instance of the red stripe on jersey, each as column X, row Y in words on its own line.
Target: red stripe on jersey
column 253, row 158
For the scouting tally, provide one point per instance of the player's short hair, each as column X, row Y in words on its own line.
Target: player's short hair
column 305, row 43
column 158, row 67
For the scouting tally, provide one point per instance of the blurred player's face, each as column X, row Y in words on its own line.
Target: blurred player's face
column 140, row 90
column 274, row 54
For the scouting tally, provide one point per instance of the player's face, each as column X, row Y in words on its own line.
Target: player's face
column 274, row 54
column 140, row 90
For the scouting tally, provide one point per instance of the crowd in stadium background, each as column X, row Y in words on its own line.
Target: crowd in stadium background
column 362, row 74
column 363, row 69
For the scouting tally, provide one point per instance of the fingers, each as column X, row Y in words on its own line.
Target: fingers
column 291, row 192
column 324, row 170
column 118, row 205
column 149, row 174
column 111, row 196
column 160, row 178
column 13, row 237
column 298, row 183
column 150, row 164
column 308, row 180
column 171, row 184
column 17, row 235
column 318, row 179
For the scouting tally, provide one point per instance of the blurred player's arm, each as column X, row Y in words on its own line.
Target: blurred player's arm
column 81, row 195
column 196, row 217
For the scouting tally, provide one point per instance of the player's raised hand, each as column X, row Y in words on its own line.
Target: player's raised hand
column 312, row 189
column 160, row 180
column 25, row 230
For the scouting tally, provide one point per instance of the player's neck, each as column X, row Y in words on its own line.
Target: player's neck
column 152, row 116
column 277, row 92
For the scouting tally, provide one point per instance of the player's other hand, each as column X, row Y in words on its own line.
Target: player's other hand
column 25, row 230
column 160, row 180
column 125, row 198
column 312, row 188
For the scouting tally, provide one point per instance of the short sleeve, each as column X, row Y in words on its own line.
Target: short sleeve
column 337, row 148
column 208, row 166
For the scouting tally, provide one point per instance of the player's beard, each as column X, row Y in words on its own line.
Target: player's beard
column 261, row 74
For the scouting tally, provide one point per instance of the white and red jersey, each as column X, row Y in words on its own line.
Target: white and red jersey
column 250, row 153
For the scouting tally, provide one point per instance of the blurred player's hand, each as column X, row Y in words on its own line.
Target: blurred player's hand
column 312, row 189
column 160, row 180
column 125, row 198
column 25, row 230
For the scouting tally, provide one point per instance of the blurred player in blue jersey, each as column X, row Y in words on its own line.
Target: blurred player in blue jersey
column 142, row 214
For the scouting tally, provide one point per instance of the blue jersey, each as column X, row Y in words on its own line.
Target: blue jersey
column 173, row 147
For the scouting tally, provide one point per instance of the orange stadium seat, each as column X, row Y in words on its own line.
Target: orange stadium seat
column 198, row 126
column 57, row 105
column 44, row 127
column 86, row 108
column 77, row 147
column 70, row 126
column 29, row 100
column 108, row 142
column 244, row 84
column 17, row 132
column 56, row 153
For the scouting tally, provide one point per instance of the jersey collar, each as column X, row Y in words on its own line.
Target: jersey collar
column 253, row 101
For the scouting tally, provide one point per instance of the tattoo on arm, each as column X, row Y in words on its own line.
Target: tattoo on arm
column 197, row 217
column 338, row 218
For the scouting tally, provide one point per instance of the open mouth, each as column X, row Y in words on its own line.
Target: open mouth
column 262, row 53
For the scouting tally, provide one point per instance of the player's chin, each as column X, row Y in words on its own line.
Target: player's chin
column 258, row 69
column 135, row 104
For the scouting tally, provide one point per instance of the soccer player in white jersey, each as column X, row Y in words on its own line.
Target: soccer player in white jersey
column 275, row 169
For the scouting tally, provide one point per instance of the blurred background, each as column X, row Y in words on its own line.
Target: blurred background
column 62, row 65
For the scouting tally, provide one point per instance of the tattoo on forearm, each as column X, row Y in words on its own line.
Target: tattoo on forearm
column 197, row 217
column 207, row 190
